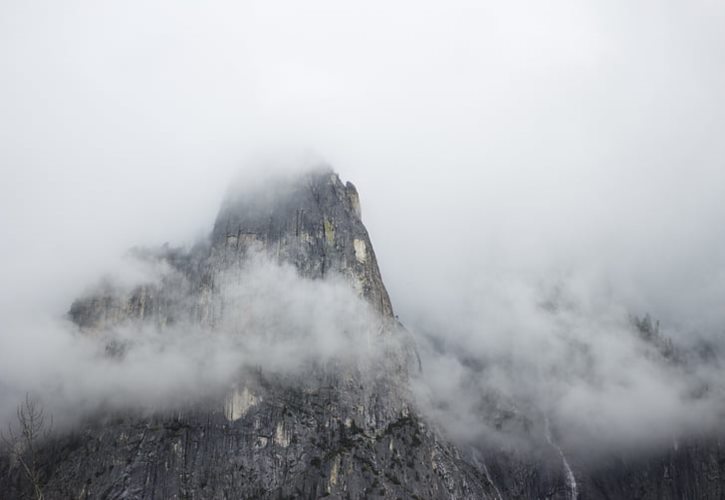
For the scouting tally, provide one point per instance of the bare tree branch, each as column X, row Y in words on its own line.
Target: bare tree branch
column 21, row 441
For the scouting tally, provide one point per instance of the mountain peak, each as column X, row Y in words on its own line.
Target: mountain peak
column 311, row 220
column 333, row 416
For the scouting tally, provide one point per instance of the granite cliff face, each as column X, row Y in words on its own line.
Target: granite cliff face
column 312, row 222
column 336, row 428
column 339, row 430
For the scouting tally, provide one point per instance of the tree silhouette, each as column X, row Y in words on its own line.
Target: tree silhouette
column 22, row 439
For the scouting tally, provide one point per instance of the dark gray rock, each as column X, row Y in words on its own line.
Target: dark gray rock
column 342, row 430
column 312, row 221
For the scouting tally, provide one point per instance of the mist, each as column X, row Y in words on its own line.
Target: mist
column 533, row 176
column 274, row 321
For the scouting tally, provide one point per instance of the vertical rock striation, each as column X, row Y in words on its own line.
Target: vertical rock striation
column 338, row 430
column 312, row 221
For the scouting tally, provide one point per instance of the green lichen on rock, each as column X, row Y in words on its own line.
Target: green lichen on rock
column 329, row 232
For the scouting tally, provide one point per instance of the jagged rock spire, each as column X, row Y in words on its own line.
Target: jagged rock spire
column 311, row 220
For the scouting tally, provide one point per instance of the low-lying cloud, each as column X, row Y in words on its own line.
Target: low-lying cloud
column 533, row 176
column 263, row 316
column 503, row 356
column 605, row 379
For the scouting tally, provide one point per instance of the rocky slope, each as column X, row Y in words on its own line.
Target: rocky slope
column 337, row 429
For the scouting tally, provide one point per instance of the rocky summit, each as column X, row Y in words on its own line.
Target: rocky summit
column 337, row 431
column 332, row 428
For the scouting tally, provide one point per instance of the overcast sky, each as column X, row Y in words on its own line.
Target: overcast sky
column 492, row 136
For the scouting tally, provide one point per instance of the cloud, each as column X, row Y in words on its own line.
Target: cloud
column 502, row 150
column 518, row 354
column 192, row 344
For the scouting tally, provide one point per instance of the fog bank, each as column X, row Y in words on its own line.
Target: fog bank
column 508, row 155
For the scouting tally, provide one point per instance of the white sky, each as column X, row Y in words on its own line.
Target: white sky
column 486, row 138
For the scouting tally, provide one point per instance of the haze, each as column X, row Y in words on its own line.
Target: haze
column 503, row 151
